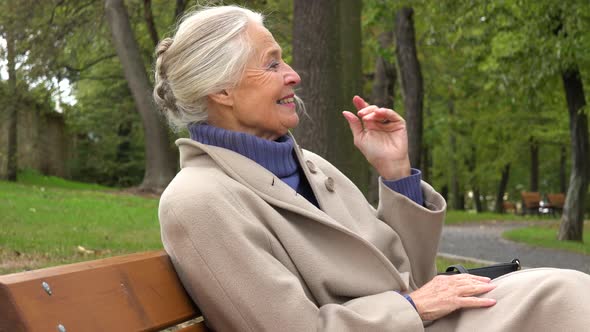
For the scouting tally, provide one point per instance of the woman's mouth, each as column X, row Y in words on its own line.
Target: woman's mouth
column 288, row 101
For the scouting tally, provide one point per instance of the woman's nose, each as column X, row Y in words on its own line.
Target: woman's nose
column 291, row 76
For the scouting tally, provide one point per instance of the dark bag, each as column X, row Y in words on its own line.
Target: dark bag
column 492, row 271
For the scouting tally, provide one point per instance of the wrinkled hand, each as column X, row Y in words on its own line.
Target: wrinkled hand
column 445, row 294
column 380, row 134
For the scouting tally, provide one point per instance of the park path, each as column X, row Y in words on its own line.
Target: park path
column 484, row 242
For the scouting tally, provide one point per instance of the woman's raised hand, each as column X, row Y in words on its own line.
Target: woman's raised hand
column 445, row 294
column 380, row 134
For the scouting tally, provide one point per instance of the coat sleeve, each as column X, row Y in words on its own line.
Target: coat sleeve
column 419, row 227
column 224, row 259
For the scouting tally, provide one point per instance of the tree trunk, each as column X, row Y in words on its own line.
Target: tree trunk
column 382, row 95
column 499, row 207
column 444, row 192
column 471, row 164
column 534, row 179
column 426, row 162
column 160, row 162
column 562, row 170
column 149, row 21
column 179, row 10
column 458, row 201
column 346, row 156
column 411, row 81
column 572, row 219
column 385, row 75
column 315, row 26
column 477, row 200
column 326, row 54
column 12, row 108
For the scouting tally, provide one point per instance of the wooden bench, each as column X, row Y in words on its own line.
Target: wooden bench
column 137, row 292
column 531, row 202
column 556, row 202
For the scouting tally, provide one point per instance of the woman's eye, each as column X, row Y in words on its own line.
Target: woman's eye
column 274, row 65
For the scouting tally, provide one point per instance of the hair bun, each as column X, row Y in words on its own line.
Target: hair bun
column 163, row 46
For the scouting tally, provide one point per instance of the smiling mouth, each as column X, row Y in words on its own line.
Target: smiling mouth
column 286, row 100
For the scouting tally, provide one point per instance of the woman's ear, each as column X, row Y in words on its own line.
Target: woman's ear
column 223, row 97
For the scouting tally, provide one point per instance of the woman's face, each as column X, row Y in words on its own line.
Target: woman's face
column 262, row 103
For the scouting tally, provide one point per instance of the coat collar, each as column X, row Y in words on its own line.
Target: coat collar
column 263, row 182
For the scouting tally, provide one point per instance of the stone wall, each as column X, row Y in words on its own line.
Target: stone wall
column 43, row 143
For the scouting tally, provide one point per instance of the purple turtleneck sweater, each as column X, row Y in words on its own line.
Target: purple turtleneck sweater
column 278, row 157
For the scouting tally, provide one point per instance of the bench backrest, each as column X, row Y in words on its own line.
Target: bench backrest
column 531, row 200
column 556, row 200
column 137, row 292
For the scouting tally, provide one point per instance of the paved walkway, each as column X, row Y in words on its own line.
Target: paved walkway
column 484, row 242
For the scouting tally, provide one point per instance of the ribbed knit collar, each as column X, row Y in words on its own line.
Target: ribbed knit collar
column 276, row 156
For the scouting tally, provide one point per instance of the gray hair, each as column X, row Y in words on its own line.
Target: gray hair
column 207, row 54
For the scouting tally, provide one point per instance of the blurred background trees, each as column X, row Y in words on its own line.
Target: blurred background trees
column 500, row 106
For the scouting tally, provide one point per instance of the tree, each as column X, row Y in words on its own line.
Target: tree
column 572, row 219
column 499, row 206
column 534, row 182
column 411, row 81
column 160, row 164
column 326, row 54
column 11, row 106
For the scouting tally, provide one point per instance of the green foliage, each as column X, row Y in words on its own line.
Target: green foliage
column 497, row 63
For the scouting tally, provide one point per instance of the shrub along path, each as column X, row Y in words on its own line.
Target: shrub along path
column 483, row 241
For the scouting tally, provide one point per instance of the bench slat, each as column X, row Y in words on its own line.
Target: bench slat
column 137, row 292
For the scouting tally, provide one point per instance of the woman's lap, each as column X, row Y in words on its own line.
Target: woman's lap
column 544, row 299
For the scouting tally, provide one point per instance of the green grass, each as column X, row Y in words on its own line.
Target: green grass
column 43, row 221
column 462, row 217
column 443, row 263
column 546, row 236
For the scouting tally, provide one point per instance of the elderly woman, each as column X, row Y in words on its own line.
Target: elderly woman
column 266, row 236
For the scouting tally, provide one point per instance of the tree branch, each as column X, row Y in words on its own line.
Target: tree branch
column 90, row 64
column 102, row 78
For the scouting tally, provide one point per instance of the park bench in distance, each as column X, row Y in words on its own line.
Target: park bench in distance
column 136, row 292
column 556, row 202
column 531, row 202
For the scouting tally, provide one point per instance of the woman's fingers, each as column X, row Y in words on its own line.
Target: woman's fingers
column 476, row 302
column 359, row 103
column 374, row 113
column 475, row 288
column 445, row 294
column 354, row 122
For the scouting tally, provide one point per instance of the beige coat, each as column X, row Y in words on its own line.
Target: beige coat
column 256, row 256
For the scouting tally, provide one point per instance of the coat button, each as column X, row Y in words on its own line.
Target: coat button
column 311, row 167
column 329, row 184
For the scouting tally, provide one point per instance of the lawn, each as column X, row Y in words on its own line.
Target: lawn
column 443, row 263
column 461, row 217
column 546, row 236
column 47, row 221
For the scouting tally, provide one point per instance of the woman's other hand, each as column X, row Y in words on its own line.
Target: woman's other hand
column 380, row 134
column 445, row 294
